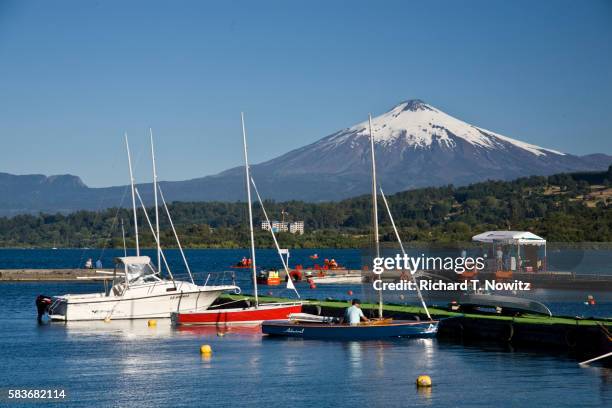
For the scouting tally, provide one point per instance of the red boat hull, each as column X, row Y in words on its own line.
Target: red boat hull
column 248, row 315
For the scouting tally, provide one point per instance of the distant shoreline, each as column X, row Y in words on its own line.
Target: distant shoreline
column 384, row 244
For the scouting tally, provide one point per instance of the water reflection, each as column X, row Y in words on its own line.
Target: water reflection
column 354, row 351
column 126, row 329
column 425, row 392
column 252, row 332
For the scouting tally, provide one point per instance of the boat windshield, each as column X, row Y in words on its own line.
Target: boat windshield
column 141, row 273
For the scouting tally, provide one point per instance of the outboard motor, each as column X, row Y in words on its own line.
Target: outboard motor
column 42, row 305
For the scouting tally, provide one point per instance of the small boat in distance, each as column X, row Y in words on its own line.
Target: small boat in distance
column 348, row 278
column 251, row 315
column 244, row 263
column 270, row 277
column 328, row 328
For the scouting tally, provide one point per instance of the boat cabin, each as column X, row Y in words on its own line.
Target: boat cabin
column 132, row 271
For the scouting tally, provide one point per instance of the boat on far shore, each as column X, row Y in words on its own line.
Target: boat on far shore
column 337, row 279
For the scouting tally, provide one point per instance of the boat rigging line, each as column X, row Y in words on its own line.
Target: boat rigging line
column 290, row 284
column 178, row 242
column 144, row 209
column 399, row 240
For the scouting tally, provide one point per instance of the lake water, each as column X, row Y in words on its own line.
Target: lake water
column 127, row 364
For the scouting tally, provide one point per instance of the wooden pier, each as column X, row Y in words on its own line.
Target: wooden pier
column 49, row 274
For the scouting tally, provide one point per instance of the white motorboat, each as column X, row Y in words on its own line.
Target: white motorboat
column 137, row 292
column 137, row 289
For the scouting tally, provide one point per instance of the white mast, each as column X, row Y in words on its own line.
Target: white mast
column 127, row 146
column 375, row 213
column 144, row 209
column 156, row 206
column 248, row 186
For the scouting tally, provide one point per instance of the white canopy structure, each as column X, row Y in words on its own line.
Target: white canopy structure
column 510, row 237
column 527, row 259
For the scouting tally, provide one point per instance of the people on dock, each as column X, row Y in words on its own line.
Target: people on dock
column 89, row 263
column 99, row 264
column 499, row 258
column 354, row 315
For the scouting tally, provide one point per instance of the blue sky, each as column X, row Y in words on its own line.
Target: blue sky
column 74, row 75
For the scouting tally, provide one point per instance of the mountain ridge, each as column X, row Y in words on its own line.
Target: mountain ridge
column 416, row 144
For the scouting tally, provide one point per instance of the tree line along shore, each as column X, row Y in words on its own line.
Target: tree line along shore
column 572, row 208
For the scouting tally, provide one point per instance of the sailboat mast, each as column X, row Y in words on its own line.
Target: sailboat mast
column 248, row 186
column 375, row 212
column 123, row 235
column 156, row 206
column 127, row 146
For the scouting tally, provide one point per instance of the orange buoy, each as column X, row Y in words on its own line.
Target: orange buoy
column 312, row 285
column 349, row 292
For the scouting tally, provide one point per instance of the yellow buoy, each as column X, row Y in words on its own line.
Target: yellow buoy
column 152, row 323
column 205, row 349
column 423, row 381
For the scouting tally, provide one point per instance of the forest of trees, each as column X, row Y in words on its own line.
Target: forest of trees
column 574, row 207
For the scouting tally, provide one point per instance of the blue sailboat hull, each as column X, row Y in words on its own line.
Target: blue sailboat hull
column 398, row 328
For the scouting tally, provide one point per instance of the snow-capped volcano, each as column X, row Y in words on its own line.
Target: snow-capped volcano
column 419, row 125
column 417, row 145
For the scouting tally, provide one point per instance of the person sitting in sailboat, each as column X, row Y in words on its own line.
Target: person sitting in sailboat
column 354, row 315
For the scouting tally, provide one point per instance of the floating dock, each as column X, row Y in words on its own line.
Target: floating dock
column 576, row 337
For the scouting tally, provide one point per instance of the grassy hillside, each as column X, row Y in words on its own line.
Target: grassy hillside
column 566, row 208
